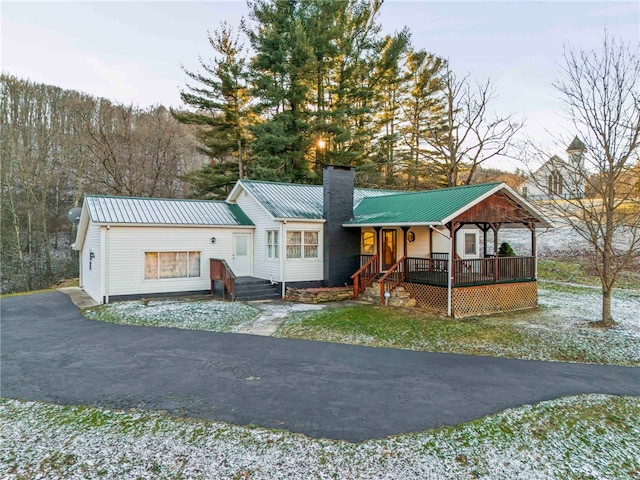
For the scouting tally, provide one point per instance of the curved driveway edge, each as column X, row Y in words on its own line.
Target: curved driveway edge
column 51, row 353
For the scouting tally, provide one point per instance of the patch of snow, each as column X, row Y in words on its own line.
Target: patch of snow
column 194, row 315
column 543, row 441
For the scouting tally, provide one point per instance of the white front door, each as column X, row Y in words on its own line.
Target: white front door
column 241, row 254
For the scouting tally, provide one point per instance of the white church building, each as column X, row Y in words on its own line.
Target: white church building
column 558, row 178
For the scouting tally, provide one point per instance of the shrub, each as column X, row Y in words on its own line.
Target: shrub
column 506, row 250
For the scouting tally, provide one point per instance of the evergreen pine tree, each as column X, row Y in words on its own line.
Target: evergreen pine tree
column 223, row 110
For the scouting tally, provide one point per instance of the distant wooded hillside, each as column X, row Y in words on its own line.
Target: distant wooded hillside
column 57, row 145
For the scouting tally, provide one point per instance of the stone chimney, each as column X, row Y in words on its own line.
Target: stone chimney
column 341, row 245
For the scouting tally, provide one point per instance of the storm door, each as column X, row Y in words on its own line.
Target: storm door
column 389, row 249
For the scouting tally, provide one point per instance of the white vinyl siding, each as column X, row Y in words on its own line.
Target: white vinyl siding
column 420, row 246
column 128, row 245
column 441, row 241
column 263, row 266
column 92, row 267
column 305, row 269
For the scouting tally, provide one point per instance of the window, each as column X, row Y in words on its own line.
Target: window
column 302, row 244
column 310, row 244
column 273, row 246
column 554, row 183
column 368, row 243
column 171, row 265
column 470, row 244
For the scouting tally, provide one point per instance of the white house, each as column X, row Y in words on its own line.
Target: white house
column 557, row 178
column 276, row 234
column 136, row 246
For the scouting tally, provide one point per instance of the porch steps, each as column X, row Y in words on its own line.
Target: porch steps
column 399, row 296
column 249, row 288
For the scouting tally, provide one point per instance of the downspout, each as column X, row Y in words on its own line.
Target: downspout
column 450, row 275
column 106, row 265
column 283, row 252
column 80, row 275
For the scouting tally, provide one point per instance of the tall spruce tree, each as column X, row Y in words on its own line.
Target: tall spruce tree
column 318, row 68
column 281, row 83
column 223, row 108
column 422, row 113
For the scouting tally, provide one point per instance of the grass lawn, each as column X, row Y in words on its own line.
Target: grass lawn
column 560, row 329
column 177, row 313
column 585, row 437
column 574, row 272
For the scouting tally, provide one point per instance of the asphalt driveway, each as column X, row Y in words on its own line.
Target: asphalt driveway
column 50, row 352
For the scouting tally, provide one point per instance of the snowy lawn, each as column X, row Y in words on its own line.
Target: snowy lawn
column 560, row 329
column 178, row 313
column 591, row 436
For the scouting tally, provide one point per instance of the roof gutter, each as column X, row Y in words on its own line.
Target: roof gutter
column 194, row 225
column 394, row 224
column 303, row 220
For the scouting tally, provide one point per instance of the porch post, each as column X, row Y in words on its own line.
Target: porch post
column 534, row 250
column 378, row 247
column 485, row 229
column 404, row 240
column 450, row 279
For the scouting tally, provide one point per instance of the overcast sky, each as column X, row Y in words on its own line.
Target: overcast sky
column 132, row 52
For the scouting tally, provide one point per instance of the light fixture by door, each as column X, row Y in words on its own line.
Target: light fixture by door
column 411, row 237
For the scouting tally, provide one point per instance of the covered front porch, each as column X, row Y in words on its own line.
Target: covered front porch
column 452, row 264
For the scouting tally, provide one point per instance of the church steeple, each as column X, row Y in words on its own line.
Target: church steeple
column 575, row 151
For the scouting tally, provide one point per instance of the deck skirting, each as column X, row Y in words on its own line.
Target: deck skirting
column 476, row 300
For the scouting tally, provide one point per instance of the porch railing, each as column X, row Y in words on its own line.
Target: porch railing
column 394, row 277
column 428, row 270
column 468, row 272
column 220, row 270
column 482, row 271
column 365, row 276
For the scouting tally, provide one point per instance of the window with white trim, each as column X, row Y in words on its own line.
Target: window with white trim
column 159, row 265
column 302, row 244
column 368, row 243
column 273, row 245
column 470, row 244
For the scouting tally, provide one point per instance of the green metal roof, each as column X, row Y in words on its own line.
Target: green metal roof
column 163, row 211
column 296, row 201
column 428, row 207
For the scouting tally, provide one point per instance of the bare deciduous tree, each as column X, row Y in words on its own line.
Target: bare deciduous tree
column 135, row 152
column 468, row 135
column 601, row 95
column 38, row 177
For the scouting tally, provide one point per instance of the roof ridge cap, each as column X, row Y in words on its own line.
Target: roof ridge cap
column 419, row 192
column 269, row 182
column 164, row 199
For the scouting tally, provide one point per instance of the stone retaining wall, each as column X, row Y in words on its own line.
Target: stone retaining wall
column 319, row 295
